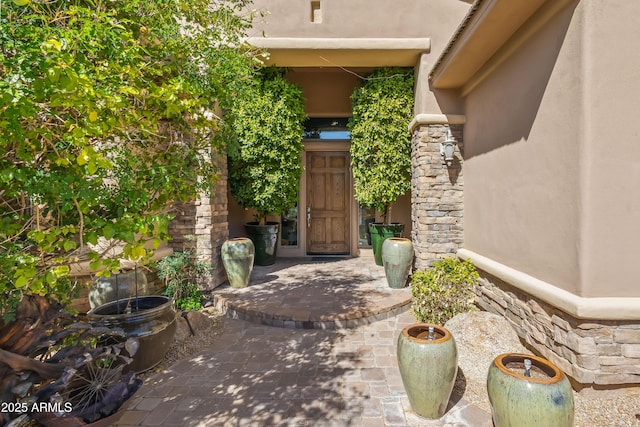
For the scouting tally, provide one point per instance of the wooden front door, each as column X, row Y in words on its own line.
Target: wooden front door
column 328, row 213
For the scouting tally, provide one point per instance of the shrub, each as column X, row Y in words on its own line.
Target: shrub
column 443, row 291
column 181, row 273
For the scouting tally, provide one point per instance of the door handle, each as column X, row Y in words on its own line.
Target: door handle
column 308, row 216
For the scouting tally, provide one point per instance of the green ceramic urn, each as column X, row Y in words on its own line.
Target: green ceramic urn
column 528, row 391
column 428, row 362
column 397, row 257
column 379, row 233
column 237, row 258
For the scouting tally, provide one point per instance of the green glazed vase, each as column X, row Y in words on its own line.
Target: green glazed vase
column 379, row 233
column 397, row 257
column 428, row 368
column 543, row 399
column 265, row 241
column 237, row 258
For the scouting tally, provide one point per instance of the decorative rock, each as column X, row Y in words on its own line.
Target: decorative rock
column 480, row 337
column 199, row 322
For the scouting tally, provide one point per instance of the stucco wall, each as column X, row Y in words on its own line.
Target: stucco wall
column 611, row 161
column 552, row 163
column 361, row 18
column 524, row 139
column 435, row 20
column 327, row 92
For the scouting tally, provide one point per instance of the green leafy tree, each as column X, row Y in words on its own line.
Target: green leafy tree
column 380, row 140
column 267, row 126
column 107, row 116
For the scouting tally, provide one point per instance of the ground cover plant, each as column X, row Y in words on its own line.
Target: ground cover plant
column 443, row 291
column 182, row 272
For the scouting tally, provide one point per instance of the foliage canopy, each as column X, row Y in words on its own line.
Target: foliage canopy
column 267, row 126
column 380, row 140
column 106, row 118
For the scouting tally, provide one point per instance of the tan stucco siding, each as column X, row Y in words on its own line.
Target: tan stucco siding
column 434, row 20
column 362, row 18
column 611, row 173
column 523, row 142
column 327, row 93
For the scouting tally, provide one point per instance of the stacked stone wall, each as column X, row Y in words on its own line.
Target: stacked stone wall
column 600, row 352
column 436, row 195
column 202, row 225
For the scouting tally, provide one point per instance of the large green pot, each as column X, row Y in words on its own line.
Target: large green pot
column 150, row 319
column 265, row 241
column 428, row 368
column 379, row 232
column 543, row 399
column 397, row 257
column 237, row 258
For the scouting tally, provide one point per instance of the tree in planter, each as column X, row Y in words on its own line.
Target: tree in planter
column 380, row 142
column 267, row 125
column 103, row 123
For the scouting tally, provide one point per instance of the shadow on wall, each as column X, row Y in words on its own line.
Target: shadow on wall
column 502, row 109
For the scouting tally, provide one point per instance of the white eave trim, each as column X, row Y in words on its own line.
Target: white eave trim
column 436, row 119
column 341, row 43
column 601, row 308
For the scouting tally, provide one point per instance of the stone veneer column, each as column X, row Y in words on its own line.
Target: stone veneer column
column 436, row 195
column 206, row 220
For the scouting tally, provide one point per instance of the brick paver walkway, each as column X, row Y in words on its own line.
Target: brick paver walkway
column 302, row 293
column 261, row 375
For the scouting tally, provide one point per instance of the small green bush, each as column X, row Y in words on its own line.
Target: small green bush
column 181, row 273
column 443, row 291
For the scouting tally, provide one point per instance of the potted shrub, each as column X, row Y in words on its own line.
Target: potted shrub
column 267, row 125
column 381, row 146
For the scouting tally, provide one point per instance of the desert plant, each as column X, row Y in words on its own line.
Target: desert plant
column 182, row 272
column 266, row 129
column 380, row 138
column 444, row 290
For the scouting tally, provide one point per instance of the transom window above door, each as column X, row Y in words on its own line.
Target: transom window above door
column 327, row 128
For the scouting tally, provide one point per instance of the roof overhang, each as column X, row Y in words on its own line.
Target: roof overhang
column 342, row 52
column 488, row 27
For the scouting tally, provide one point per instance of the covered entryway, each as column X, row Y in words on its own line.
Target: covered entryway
column 328, row 203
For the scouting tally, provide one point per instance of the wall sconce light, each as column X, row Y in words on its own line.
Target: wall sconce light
column 448, row 147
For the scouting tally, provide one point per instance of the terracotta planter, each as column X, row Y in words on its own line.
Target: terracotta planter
column 428, row 368
column 397, row 257
column 150, row 319
column 543, row 399
column 237, row 258
column 379, row 232
column 265, row 241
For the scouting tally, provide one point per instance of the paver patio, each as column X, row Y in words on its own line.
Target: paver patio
column 257, row 374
